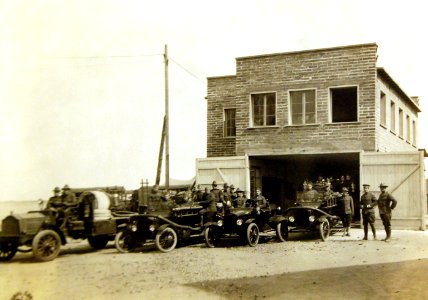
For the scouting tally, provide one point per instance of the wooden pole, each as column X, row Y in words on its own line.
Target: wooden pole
column 166, row 120
column 158, row 173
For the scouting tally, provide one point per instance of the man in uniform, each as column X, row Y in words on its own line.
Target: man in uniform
column 233, row 193
column 240, row 200
column 68, row 197
column 386, row 203
column 310, row 195
column 347, row 210
column 216, row 193
column 154, row 200
column 198, row 194
column 367, row 203
column 260, row 199
column 55, row 201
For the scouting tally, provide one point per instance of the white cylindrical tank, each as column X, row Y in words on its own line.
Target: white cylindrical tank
column 101, row 206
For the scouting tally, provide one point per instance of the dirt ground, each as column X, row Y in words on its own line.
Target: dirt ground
column 302, row 268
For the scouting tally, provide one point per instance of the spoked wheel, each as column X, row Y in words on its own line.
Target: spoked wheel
column 46, row 245
column 212, row 236
column 324, row 228
column 166, row 239
column 124, row 242
column 252, row 234
column 98, row 242
column 7, row 250
column 282, row 231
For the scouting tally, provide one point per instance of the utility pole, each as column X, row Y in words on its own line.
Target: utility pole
column 166, row 119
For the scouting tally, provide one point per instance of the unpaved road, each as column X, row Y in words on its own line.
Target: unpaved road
column 343, row 267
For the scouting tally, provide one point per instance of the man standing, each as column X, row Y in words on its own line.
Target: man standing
column 367, row 203
column 386, row 203
column 240, row 200
column 347, row 210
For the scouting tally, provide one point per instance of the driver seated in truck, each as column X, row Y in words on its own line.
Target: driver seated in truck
column 154, row 200
column 55, row 201
column 310, row 195
column 69, row 201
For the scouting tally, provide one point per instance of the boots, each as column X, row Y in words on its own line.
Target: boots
column 347, row 231
column 366, row 230
column 388, row 233
column 374, row 231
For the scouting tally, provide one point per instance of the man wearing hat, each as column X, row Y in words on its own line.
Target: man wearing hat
column 233, row 193
column 55, row 201
column 386, row 203
column 216, row 193
column 367, row 203
column 68, row 197
column 347, row 210
column 240, row 200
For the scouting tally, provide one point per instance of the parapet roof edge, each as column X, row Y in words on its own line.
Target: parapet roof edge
column 222, row 76
column 306, row 51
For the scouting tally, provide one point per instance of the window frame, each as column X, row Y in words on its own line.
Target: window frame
column 408, row 130
column 330, row 102
column 414, row 133
column 383, row 106
column 251, row 120
column 290, row 112
column 400, row 123
column 225, row 127
column 393, row 117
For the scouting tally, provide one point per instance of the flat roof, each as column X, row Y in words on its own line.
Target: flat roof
column 307, row 51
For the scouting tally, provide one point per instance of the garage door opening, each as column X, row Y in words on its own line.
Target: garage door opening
column 281, row 177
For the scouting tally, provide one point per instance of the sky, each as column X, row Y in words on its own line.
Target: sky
column 82, row 90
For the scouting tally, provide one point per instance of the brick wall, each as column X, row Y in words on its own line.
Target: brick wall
column 319, row 69
column 221, row 95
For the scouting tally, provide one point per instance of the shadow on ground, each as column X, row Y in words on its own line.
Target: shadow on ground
column 400, row 280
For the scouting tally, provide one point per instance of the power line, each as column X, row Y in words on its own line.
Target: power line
column 192, row 74
column 100, row 57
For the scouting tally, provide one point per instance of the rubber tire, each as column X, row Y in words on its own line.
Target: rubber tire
column 122, row 243
column 160, row 236
column 282, row 231
column 252, row 235
column 98, row 242
column 212, row 237
column 325, row 230
column 42, row 251
column 7, row 251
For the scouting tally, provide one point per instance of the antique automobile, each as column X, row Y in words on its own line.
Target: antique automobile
column 43, row 232
column 247, row 223
column 314, row 216
column 165, row 227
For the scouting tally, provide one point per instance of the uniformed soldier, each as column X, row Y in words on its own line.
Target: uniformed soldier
column 55, row 201
column 367, row 203
column 198, row 194
column 240, row 200
column 68, row 197
column 386, row 203
column 310, row 195
column 233, row 193
column 154, row 200
column 227, row 194
column 347, row 210
column 261, row 200
column 216, row 193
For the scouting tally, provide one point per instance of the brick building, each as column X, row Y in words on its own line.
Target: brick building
column 287, row 117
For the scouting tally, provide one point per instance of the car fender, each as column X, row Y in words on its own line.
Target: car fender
column 57, row 230
column 278, row 219
column 322, row 219
column 208, row 224
column 249, row 221
column 162, row 227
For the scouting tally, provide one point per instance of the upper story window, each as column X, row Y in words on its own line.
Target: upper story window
column 415, row 133
column 303, row 107
column 229, row 125
column 400, row 123
column 408, row 128
column 263, row 108
column 392, row 115
column 383, row 109
column 344, row 104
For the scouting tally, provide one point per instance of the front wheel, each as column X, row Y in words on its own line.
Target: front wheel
column 282, row 231
column 98, row 242
column 7, row 250
column 212, row 236
column 252, row 234
column 46, row 245
column 166, row 239
column 324, row 228
column 124, row 242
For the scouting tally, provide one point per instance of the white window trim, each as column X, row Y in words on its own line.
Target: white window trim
column 250, row 121
column 290, row 123
column 330, row 104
